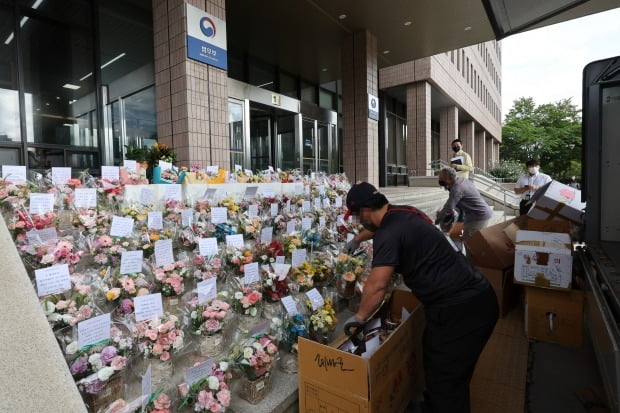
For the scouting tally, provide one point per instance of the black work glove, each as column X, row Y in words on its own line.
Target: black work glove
column 351, row 246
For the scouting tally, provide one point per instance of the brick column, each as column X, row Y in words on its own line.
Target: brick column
column 191, row 97
column 419, row 127
column 481, row 150
column 466, row 134
column 360, row 76
column 489, row 153
column 496, row 151
column 448, row 129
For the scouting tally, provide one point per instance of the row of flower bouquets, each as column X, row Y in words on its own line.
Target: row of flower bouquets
column 250, row 279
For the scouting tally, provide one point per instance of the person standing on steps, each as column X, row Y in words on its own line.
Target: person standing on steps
column 528, row 184
column 461, row 161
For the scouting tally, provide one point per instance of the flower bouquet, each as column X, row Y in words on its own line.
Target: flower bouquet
column 120, row 290
column 158, row 339
column 291, row 242
column 207, row 267
column 255, row 357
column 294, row 326
column 21, row 222
column 266, row 254
column 208, row 321
column 14, row 196
column 246, row 302
column 348, row 270
column 322, row 321
column 275, row 286
column 107, row 250
column 209, row 394
column 250, row 227
column 236, row 259
column 323, row 272
column 303, row 276
column 68, row 308
column 170, row 280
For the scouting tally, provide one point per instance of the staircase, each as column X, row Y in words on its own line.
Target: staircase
column 426, row 199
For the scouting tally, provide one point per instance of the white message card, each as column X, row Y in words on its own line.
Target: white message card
column 52, row 280
column 93, row 330
column 61, row 175
column 109, row 172
column 14, row 173
column 187, row 217
column 41, row 203
column 307, row 206
column 219, row 215
column 253, row 211
column 163, row 252
column 338, row 202
column 207, row 290
column 148, row 306
column 208, row 247
column 173, row 191
column 321, row 222
column 274, row 209
column 266, row 235
column 238, row 168
column 281, row 270
column 299, row 189
column 317, row 203
column 131, row 262
column 85, row 198
column 250, row 191
column 42, row 236
column 290, row 305
column 326, row 203
column 209, row 193
column 235, row 240
column 268, row 192
column 250, row 273
column 306, row 223
column 204, row 369
column 165, row 166
column 155, row 220
column 213, row 169
column 130, row 165
column 280, row 259
column 321, row 189
column 146, row 388
column 299, row 256
column 290, row 226
column 248, row 172
column 121, row 226
column 315, row 298
column 146, row 196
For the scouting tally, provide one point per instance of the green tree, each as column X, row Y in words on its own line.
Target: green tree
column 550, row 132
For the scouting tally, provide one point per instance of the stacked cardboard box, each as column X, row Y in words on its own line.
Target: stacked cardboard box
column 338, row 381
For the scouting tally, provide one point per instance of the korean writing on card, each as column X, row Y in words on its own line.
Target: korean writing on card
column 204, row 369
column 281, row 270
column 280, row 259
column 52, row 280
column 148, row 306
column 253, row 210
column 187, row 217
column 250, row 191
column 121, row 226
column 273, row 209
column 317, row 203
column 41, row 203
column 299, row 256
column 109, row 172
column 207, row 246
column 235, row 240
column 85, row 197
column 266, row 235
column 130, row 164
column 326, row 203
column 338, row 202
column 94, row 330
column 14, row 173
column 131, row 262
column 321, row 222
column 290, row 226
column 306, row 223
column 315, row 299
column 61, row 175
column 307, row 206
column 290, row 305
column 207, row 290
column 146, row 196
column 321, row 189
column 155, row 220
column 219, row 215
column 163, row 252
column 250, row 273
column 173, row 191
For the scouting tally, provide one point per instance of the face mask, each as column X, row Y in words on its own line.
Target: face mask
column 456, row 148
column 533, row 170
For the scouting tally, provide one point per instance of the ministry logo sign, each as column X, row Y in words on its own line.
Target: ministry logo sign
column 206, row 38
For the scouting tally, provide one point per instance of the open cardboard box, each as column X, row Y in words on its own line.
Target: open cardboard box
column 491, row 248
column 331, row 380
column 556, row 201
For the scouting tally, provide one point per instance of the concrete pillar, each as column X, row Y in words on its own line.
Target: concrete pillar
column 480, row 150
column 191, row 97
column 448, row 129
column 466, row 134
column 496, row 151
column 419, row 128
column 360, row 77
column 489, row 153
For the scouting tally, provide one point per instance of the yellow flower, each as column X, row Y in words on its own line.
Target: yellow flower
column 154, row 237
column 113, row 294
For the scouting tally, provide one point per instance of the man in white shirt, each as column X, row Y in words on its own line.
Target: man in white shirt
column 529, row 183
column 461, row 161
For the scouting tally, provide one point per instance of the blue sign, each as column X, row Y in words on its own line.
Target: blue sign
column 206, row 38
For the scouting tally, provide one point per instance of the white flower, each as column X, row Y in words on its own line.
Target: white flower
column 178, row 342
column 47, row 259
column 105, row 373
column 253, row 311
column 223, row 366
column 72, row 348
column 49, row 307
column 238, row 295
column 247, row 352
column 66, row 318
column 54, row 317
column 214, row 383
column 194, row 315
column 95, row 361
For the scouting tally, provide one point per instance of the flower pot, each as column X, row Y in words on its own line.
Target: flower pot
column 346, row 289
column 247, row 322
column 318, row 336
column 254, row 391
column 172, row 304
column 210, row 346
column 112, row 390
column 271, row 310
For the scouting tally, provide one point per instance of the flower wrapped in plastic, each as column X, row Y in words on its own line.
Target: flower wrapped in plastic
column 246, row 301
column 170, row 278
column 61, row 251
column 348, row 271
column 323, row 271
column 14, row 196
column 303, row 276
column 173, row 210
column 210, row 394
column 236, row 259
column 107, row 251
column 110, row 194
column 291, row 242
column 255, row 357
column 322, row 321
column 250, row 227
column 120, row 290
column 68, row 308
column 207, row 267
column 159, row 338
column 266, row 254
column 21, row 222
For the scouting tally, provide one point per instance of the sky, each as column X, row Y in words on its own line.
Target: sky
column 547, row 64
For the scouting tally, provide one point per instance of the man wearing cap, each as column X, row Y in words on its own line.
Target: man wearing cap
column 460, row 306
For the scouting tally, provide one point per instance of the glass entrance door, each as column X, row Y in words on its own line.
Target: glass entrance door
column 288, row 154
column 260, row 143
column 308, row 138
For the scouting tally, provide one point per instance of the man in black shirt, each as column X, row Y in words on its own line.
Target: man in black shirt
column 460, row 306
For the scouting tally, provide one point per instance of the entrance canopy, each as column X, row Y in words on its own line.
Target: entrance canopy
column 305, row 36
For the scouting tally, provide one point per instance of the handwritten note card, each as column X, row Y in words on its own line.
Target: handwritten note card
column 219, row 215
column 93, row 330
column 130, row 165
column 187, row 217
column 163, row 252
column 204, row 369
column 315, row 298
column 173, row 191
column 281, row 270
column 290, row 226
column 121, row 226
column 14, row 173
column 165, row 166
column 266, row 235
column 148, row 306
column 109, row 172
column 235, row 240
column 250, row 273
column 268, row 192
column 299, row 256
column 155, row 220
column 253, row 211
column 273, row 209
column 42, row 236
column 52, row 280
column 61, row 175
column 207, row 246
column 41, row 203
column 307, row 206
column 290, row 305
column 146, row 387
column 306, row 223
column 131, row 262
column 207, row 290
column 85, row 198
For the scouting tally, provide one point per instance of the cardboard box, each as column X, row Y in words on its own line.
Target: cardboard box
column 544, row 259
column 491, row 248
column 554, row 316
column 556, row 201
column 503, row 284
column 331, row 380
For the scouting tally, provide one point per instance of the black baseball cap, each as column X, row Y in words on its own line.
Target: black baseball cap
column 361, row 195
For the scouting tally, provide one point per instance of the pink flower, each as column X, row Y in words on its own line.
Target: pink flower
column 82, row 289
column 162, row 402
column 119, row 363
column 224, row 397
column 62, row 304
column 205, row 398
column 117, row 406
column 254, row 297
column 158, row 349
column 165, row 356
column 128, row 285
column 85, row 311
column 151, row 334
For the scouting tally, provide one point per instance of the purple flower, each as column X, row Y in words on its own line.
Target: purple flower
column 93, row 387
column 80, row 365
column 126, row 306
column 107, row 354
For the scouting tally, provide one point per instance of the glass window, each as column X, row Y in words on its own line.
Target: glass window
column 261, row 75
column 288, row 85
column 10, row 156
column 309, row 145
column 334, row 150
column 326, row 99
column 289, row 158
column 9, row 98
column 140, row 118
column 57, row 59
column 45, row 158
column 323, row 147
column 308, row 92
column 235, row 131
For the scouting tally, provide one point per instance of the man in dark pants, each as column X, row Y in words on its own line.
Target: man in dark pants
column 461, row 307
